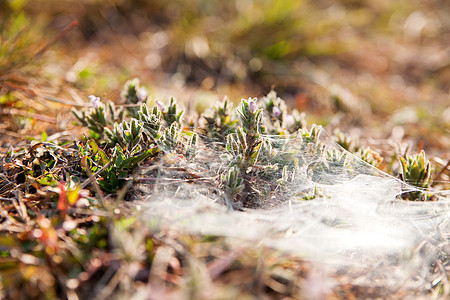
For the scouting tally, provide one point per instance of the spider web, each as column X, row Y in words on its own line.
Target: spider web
column 356, row 222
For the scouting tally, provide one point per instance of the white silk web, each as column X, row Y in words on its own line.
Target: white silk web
column 356, row 221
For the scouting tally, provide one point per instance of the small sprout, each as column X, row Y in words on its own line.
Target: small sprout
column 98, row 118
column 277, row 120
column 133, row 93
column 336, row 159
column 295, row 121
column 250, row 117
column 275, row 112
column 114, row 135
column 369, row 156
column 315, row 193
column 172, row 115
column 171, row 138
column 191, row 146
column 284, row 176
column 312, row 135
column 349, row 143
column 151, row 123
column 416, row 170
column 265, row 151
column 233, row 182
column 218, row 122
column 131, row 134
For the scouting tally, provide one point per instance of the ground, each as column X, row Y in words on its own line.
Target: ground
column 377, row 70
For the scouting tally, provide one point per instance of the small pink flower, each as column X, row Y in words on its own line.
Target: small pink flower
column 142, row 94
column 252, row 106
column 159, row 104
column 95, row 101
column 276, row 112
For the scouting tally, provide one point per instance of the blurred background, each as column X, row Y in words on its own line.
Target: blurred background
column 378, row 69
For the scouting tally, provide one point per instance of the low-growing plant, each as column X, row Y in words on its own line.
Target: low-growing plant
column 117, row 148
column 353, row 145
column 99, row 117
column 218, row 123
column 349, row 143
column 234, row 185
column 278, row 120
column 172, row 114
column 133, row 93
column 416, row 170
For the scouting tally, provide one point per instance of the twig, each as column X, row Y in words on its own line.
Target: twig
column 11, row 133
column 151, row 180
column 76, row 104
column 60, row 100
column 87, row 181
column 109, row 288
column 6, row 199
column 20, row 207
column 15, row 111
column 94, row 181
column 56, row 38
column 438, row 175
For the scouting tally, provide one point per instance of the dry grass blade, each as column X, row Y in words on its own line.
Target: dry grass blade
column 56, row 38
column 92, row 177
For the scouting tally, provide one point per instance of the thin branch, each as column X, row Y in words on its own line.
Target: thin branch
column 92, row 176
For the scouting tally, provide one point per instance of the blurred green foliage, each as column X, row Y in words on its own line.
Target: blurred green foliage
column 240, row 39
column 20, row 36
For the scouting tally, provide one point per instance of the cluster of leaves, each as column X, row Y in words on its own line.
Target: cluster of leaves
column 116, row 148
column 123, row 137
column 416, row 170
column 352, row 145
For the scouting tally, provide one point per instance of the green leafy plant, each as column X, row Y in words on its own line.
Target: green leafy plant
column 416, row 170
column 349, row 143
column 353, row 145
column 277, row 118
column 219, row 123
column 98, row 117
column 151, row 124
column 234, row 184
column 369, row 156
column 172, row 114
column 248, row 133
column 174, row 140
column 133, row 93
